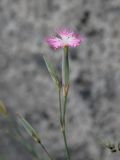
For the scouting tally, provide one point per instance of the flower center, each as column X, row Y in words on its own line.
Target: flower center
column 66, row 40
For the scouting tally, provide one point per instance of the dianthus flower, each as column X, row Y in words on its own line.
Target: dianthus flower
column 63, row 38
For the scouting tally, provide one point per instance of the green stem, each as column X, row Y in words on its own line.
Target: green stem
column 65, row 142
column 62, row 123
column 65, row 67
column 64, row 127
column 65, row 85
column 60, row 107
column 64, row 109
column 43, row 147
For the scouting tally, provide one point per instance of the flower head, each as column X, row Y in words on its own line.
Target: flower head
column 64, row 37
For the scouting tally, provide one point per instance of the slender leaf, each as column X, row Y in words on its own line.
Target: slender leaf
column 29, row 128
column 52, row 72
column 3, row 109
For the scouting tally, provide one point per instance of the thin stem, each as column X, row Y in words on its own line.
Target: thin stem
column 43, row 147
column 64, row 109
column 65, row 85
column 64, row 127
column 60, row 107
column 62, row 122
column 65, row 67
column 66, row 145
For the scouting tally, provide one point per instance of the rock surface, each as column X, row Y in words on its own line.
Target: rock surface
column 26, row 87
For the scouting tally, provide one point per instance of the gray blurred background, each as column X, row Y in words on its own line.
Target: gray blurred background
column 26, row 87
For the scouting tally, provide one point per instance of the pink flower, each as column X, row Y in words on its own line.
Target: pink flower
column 64, row 37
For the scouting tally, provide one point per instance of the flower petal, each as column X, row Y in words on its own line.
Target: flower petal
column 54, row 42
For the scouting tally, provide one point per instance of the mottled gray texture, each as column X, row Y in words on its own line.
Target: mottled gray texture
column 26, row 87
